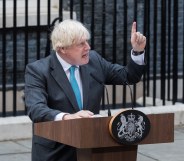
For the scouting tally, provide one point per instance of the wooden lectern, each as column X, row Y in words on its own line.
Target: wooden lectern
column 93, row 141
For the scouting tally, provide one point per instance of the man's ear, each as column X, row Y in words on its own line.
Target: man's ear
column 62, row 50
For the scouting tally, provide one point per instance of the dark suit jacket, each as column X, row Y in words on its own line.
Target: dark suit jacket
column 48, row 92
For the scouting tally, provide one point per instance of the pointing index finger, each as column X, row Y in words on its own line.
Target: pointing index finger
column 133, row 28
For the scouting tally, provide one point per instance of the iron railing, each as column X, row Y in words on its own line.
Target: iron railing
column 161, row 21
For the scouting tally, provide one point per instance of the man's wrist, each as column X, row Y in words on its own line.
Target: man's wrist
column 137, row 52
column 65, row 116
column 60, row 116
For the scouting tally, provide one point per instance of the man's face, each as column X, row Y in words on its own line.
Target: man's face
column 77, row 54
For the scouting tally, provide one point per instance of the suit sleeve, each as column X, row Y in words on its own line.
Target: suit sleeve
column 117, row 74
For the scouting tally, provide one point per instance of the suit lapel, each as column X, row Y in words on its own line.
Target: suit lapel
column 60, row 77
column 85, row 85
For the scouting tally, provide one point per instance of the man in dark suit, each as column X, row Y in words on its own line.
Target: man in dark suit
column 53, row 92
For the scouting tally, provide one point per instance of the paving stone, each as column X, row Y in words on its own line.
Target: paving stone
column 141, row 157
column 10, row 147
column 16, row 157
column 26, row 143
column 164, row 152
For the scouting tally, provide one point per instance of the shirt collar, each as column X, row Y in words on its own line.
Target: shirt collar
column 64, row 64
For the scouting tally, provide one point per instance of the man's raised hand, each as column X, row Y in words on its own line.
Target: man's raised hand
column 138, row 40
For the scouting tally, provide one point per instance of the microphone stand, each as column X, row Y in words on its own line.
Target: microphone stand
column 106, row 91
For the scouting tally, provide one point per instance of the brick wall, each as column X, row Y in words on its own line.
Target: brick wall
column 32, row 50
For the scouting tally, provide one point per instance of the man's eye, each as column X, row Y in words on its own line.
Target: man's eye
column 81, row 44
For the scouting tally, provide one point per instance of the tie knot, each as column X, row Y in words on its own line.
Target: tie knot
column 72, row 68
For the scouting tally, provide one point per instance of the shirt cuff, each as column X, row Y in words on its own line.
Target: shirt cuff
column 60, row 116
column 138, row 59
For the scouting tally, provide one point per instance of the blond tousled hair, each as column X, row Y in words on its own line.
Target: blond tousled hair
column 67, row 33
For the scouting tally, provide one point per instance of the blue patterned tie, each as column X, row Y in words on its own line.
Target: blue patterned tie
column 75, row 86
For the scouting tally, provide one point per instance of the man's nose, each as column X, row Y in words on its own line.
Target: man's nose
column 87, row 46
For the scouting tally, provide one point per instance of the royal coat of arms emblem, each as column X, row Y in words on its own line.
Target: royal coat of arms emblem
column 130, row 126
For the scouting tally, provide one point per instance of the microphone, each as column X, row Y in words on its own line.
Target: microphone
column 107, row 95
column 131, row 95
